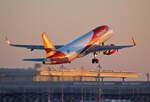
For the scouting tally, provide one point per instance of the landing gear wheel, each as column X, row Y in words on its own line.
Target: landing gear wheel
column 95, row 60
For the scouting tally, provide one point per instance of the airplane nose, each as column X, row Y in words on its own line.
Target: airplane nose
column 110, row 29
column 104, row 29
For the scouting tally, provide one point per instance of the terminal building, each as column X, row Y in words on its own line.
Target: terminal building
column 74, row 85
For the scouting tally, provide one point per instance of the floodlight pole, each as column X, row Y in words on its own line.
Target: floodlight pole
column 99, row 83
column 49, row 97
column 82, row 91
column 62, row 98
column 148, row 76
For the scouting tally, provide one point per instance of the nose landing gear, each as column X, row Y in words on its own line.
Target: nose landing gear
column 95, row 60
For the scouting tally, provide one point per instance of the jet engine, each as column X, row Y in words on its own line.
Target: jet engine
column 109, row 52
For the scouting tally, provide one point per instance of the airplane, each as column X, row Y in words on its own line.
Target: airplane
column 91, row 42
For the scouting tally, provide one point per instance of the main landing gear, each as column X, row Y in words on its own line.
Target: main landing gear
column 95, row 60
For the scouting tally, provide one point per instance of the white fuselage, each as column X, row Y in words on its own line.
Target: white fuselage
column 78, row 47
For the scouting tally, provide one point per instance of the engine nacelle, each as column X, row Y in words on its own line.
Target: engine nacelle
column 109, row 52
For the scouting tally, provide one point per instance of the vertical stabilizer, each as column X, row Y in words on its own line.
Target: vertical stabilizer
column 47, row 42
column 48, row 45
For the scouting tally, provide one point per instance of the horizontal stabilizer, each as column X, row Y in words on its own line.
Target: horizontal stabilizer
column 57, row 59
column 45, row 60
column 35, row 59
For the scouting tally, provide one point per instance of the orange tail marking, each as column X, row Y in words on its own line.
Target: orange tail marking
column 47, row 42
column 48, row 45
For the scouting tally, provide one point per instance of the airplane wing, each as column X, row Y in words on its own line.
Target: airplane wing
column 97, row 48
column 102, row 48
column 31, row 47
column 34, row 47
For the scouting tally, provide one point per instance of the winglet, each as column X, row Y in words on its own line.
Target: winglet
column 6, row 39
column 134, row 43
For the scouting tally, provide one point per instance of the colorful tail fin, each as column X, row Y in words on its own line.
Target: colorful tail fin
column 49, row 47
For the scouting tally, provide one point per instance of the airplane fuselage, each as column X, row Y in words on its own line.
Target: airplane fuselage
column 80, row 46
column 91, row 42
